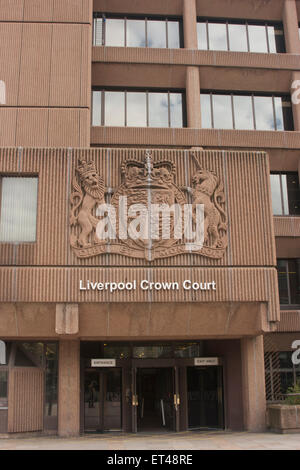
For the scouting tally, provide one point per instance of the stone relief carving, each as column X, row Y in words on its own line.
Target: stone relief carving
column 145, row 183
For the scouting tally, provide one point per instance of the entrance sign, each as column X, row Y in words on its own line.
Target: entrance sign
column 103, row 363
column 206, row 361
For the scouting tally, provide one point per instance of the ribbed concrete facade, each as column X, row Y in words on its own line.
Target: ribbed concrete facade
column 50, row 66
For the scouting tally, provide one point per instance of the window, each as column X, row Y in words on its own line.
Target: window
column 248, row 111
column 43, row 356
column 137, row 32
column 51, row 391
column 3, row 388
column 138, row 108
column 18, row 209
column 281, row 374
column 289, row 281
column 141, row 350
column 240, row 36
column 285, row 193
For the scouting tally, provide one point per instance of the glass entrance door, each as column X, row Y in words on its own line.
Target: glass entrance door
column 155, row 398
column 205, row 397
column 102, row 400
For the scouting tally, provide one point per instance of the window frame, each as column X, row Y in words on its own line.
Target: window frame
column 247, row 23
column 11, row 364
column 280, row 174
column 145, row 18
column 22, row 175
column 252, row 95
column 141, row 90
column 289, row 305
column 272, row 370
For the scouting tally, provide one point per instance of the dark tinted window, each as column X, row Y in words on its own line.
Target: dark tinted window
column 285, row 193
column 289, row 281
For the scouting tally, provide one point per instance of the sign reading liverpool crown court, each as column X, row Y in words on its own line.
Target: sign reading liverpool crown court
column 193, row 227
column 148, row 215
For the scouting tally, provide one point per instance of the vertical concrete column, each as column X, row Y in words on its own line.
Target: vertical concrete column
column 193, row 107
column 290, row 23
column 190, row 24
column 253, row 380
column 69, row 388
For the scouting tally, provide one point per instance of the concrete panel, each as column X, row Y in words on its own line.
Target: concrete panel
column 288, row 247
column 75, row 11
column 290, row 23
column 86, row 67
column 11, row 10
column 35, row 65
column 67, row 319
column 64, row 128
column 190, row 24
column 27, row 320
column 66, row 65
column 32, row 127
column 254, row 9
column 85, row 127
column 69, row 388
column 10, row 40
column 8, row 117
column 26, row 399
column 165, row 7
column 193, row 97
column 254, row 394
column 38, row 10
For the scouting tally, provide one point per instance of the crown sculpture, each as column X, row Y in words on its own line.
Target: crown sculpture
column 145, row 184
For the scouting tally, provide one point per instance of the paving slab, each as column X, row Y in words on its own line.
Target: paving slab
column 171, row 441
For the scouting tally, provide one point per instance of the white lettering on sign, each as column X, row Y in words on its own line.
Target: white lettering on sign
column 206, row 361
column 103, row 363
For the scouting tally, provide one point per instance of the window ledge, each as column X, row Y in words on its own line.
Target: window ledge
column 289, row 318
column 184, row 56
column 190, row 137
column 286, row 226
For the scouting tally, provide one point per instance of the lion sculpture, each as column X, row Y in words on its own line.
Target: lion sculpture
column 88, row 192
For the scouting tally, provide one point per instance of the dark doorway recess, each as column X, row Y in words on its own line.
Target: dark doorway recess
column 155, row 390
column 205, row 398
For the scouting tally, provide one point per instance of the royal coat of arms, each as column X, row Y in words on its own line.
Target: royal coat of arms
column 146, row 216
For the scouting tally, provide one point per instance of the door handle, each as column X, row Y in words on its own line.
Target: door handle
column 176, row 401
column 135, row 401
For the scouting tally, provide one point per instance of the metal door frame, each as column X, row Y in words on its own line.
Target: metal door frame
column 156, row 364
column 102, row 371
column 220, row 380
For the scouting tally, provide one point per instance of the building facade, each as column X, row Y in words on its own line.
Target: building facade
column 173, row 103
